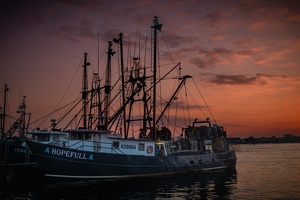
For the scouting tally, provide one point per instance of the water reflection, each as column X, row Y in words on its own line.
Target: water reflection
column 219, row 184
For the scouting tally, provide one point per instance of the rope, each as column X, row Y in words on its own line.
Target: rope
column 204, row 101
column 63, row 95
column 196, row 104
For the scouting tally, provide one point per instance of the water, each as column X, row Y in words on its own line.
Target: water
column 264, row 171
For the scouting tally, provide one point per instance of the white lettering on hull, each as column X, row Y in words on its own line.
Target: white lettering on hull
column 69, row 154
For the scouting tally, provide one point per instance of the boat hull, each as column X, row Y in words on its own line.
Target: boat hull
column 71, row 163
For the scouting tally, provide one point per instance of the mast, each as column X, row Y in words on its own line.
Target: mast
column 107, row 85
column 22, row 108
column 123, row 84
column 84, row 90
column 156, row 27
column 4, row 114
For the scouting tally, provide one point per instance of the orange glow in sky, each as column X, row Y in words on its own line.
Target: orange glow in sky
column 243, row 54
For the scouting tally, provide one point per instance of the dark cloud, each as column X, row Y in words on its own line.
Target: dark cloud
column 233, row 80
column 245, row 42
column 75, row 34
column 215, row 18
column 211, row 57
column 175, row 40
column 215, row 56
column 204, row 63
column 271, row 76
column 170, row 5
column 217, row 52
column 245, row 53
column 179, row 104
column 259, row 79
column 87, row 5
column 246, row 6
column 67, row 32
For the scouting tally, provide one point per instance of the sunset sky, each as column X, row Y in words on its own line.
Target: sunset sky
column 243, row 54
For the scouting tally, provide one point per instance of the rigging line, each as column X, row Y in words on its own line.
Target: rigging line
column 53, row 112
column 65, row 91
column 13, row 100
column 187, row 103
column 98, row 55
column 163, row 77
column 139, row 30
column 171, row 123
column 183, row 110
column 145, row 43
column 69, row 110
column 135, row 38
column 158, row 59
column 204, row 101
column 167, row 47
column 176, row 114
column 101, row 59
column 196, row 103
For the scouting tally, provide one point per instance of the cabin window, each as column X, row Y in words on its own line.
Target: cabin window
column 43, row 137
column 116, row 145
column 80, row 136
column 73, row 136
column 141, row 147
column 87, row 136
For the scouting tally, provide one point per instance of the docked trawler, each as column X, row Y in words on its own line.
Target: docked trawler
column 97, row 150
column 14, row 154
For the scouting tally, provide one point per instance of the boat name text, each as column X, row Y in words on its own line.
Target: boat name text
column 69, row 154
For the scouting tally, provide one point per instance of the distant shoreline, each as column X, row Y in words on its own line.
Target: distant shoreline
column 287, row 138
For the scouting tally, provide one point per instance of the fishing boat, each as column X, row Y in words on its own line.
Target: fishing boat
column 101, row 148
column 15, row 156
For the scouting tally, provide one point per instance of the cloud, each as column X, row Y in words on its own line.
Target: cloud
column 245, row 53
column 215, row 18
column 75, row 34
column 276, row 58
column 259, row 25
column 217, row 37
column 66, row 32
column 186, row 13
column 245, row 42
column 219, row 51
column 246, row 6
column 175, row 40
column 233, row 80
column 216, row 56
column 87, row 5
column 170, row 5
column 203, row 63
column 259, row 79
column 295, row 17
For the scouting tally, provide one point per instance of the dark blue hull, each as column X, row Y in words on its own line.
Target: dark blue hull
column 15, row 153
column 70, row 163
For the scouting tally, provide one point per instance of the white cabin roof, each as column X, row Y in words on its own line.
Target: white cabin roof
column 46, row 133
column 85, row 131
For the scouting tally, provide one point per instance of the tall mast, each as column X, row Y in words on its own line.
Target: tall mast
column 123, row 84
column 84, row 90
column 107, row 85
column 22, row 108
column 156, row 27
column 4, row 114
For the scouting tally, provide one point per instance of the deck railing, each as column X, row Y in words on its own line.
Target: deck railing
column 89, row 145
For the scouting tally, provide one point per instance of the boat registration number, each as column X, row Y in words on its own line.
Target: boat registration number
column 128, row 146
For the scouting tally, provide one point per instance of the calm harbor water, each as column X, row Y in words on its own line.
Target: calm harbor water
column 264, row 171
